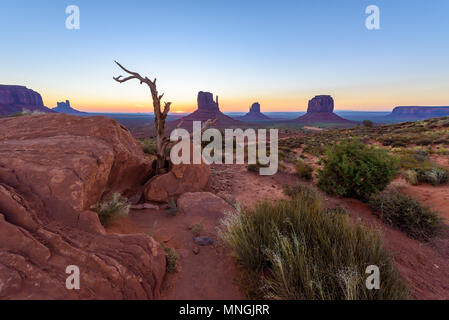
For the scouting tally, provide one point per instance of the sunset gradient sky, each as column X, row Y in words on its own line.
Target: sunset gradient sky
column 280, row 53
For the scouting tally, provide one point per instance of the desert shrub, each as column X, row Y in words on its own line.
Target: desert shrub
column 356, row 170
column 425, row 141
column 293, row 249
column 435, row 175
column 405, row 213
column 411, row 176
column 115, row 207
column 172, row 207
column 148, row 145
column 303, row 170
column 368, row 123
column 171, row 258
column 299, row 188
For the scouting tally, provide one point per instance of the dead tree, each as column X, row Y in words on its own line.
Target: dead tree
column 162, row 142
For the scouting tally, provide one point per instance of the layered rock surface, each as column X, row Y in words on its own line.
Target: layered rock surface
column 254, row 114
column 52, row 169
column 18, row 99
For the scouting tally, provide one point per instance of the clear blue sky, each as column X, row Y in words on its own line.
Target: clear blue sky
column 280, row 53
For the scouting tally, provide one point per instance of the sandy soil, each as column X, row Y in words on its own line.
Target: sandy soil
column 210, row 274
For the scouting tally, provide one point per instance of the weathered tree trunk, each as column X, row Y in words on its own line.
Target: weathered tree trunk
column 162, row 142
column 160, row 116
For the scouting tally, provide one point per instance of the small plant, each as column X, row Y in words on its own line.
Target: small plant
column 112, row 209
column 411, row 176
column 303, row 170
column 197, row 229
column 299, row 189
column 356, row 170
column 172, row 207
column 368, row 123
column 405, row 213
column 148, row 145
column 172, row 258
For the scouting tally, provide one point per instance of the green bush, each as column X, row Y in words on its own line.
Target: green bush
column 171, row 258
column 303, row 170
column 293, row 249
column 115, row 207
column 405, row 213
column 356, row 170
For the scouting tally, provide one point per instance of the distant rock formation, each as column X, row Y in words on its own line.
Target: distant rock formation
column 18, row 99
column 207, row 109
column 254, row 114
column 64, row 107
column 321, row 110
column 418, row 113
column 322, row 103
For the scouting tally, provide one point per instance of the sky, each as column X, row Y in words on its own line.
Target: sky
column 279, row 53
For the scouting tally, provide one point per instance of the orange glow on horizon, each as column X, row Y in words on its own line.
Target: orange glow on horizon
column 291, row 102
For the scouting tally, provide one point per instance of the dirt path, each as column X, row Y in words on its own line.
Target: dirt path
column 209, row 274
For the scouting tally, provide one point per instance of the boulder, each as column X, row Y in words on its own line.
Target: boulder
column 180, row 179
column 52, row 169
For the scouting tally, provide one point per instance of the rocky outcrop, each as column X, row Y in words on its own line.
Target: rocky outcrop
column 18, row 99
column 52, row 169
column 322, row 103
column 207, row 109
column 321, row 110
column 180, row 179
column 254, row 114
column 64, row 107
column 418, row 113
column 206, row 101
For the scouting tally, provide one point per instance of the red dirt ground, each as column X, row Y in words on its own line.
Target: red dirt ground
column 213, row 272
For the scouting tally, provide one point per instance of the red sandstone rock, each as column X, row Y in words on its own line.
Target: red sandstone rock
column 52, row 168
column 180, row 179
